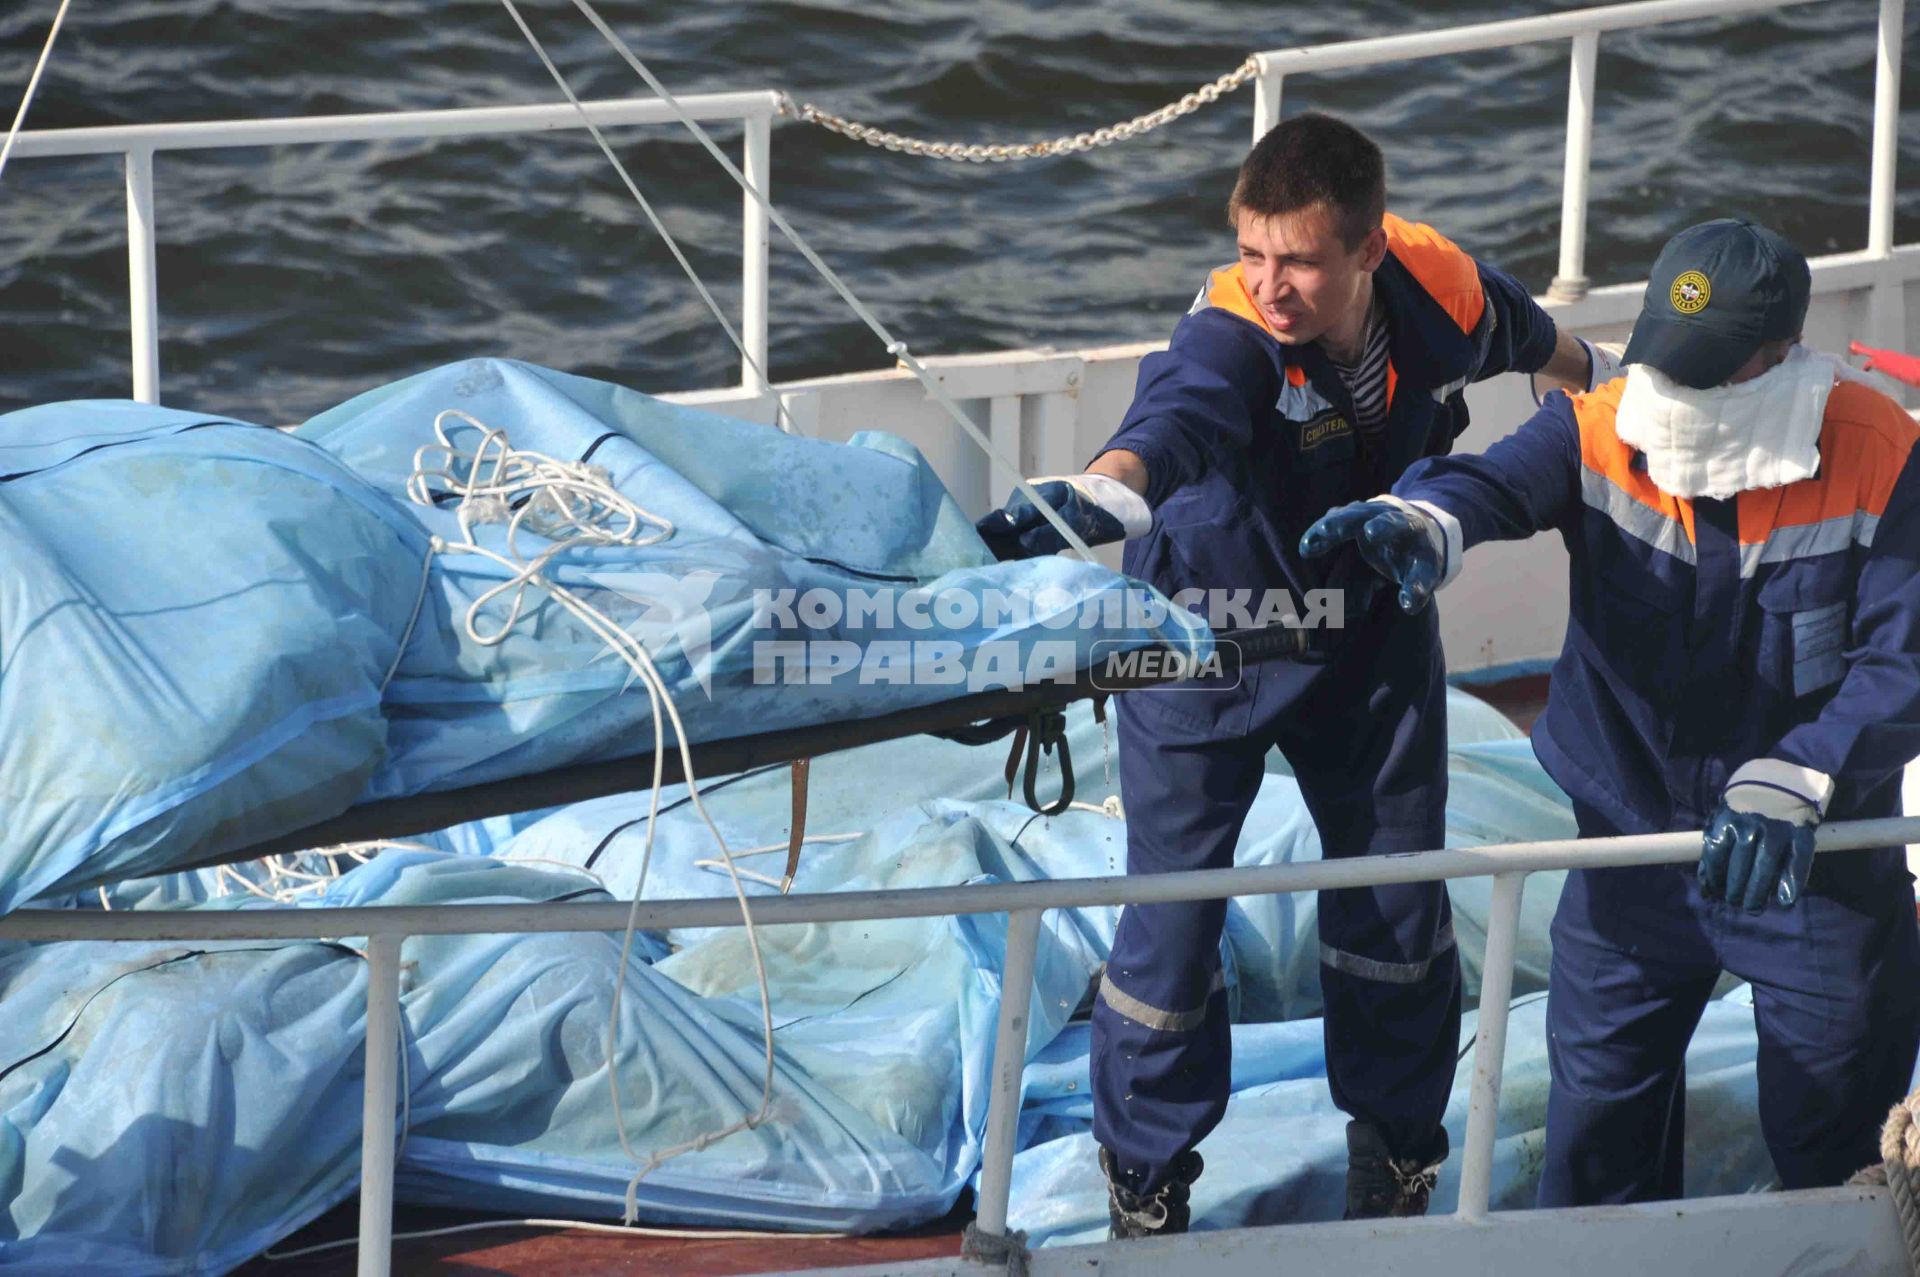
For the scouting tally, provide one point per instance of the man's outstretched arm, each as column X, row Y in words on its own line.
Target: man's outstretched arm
column 1417, row 535
column 1193, row 410
column 1524, row 336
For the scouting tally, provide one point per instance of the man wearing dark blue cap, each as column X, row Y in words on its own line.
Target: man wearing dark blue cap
column 1743, row 655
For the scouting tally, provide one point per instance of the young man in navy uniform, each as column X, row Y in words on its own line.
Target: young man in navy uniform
column 1743, row 655
column 1309, row 374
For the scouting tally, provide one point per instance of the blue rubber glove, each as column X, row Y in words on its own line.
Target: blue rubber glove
column 1098, row 508
column 1747, row 858
column 1403, row 546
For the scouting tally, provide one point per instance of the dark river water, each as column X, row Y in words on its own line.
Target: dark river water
column 294, row 278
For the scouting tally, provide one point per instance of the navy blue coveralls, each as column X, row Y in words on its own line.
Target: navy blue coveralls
column 1246, row 442
column 1780, row 624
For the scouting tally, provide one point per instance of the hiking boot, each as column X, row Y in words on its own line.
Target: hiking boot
column 1381, row 1185
column 1155, row 1214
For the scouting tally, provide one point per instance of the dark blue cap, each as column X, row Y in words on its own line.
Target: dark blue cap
column 1717, row 293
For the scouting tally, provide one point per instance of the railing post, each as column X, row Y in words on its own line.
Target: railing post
column 1571, row 282
column 380, row 1097
column 1009, row 1066
column 1887, row 308
column 1266, row 102
column 1490, row 1045
column 757, row 168
column 1003, row 427
column 143, row 281
column 1886, row 128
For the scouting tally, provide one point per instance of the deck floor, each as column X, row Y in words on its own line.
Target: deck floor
column 513, row 1251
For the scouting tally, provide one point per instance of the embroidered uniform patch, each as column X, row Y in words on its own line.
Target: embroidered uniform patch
column 1316, row 432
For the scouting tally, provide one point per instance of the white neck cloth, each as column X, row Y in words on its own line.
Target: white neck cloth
column 1761, row 433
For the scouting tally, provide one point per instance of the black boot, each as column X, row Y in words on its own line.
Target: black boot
column 1155, row 1214
column 1382, row 1184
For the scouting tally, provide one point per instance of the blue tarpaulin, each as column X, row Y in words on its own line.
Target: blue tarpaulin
column 212, row 633
column 762, row 521
column 196, row 618
column 883, row 1029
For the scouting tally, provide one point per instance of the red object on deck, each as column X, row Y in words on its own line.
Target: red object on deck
column 1891, row 362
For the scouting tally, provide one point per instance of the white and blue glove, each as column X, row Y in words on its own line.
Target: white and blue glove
column 1098, row 507
column 1759, row 844
column 1400, row 540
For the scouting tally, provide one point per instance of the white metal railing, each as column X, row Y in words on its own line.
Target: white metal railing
column 139, row 143
column 1584, row 28
column 387, row 927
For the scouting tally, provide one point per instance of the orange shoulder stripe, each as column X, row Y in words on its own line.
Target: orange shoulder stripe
column 1227, row 289
column 1602, row 453
column 1441, row 267
column 1864, row 443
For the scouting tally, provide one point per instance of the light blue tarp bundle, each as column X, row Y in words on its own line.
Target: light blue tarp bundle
column 509, row 1099
column 173, row 1108
column 1498, row 793
column 762, row 521
column 180, row 1118
column 883, row 1033
column 196, row 619
column 202, row 622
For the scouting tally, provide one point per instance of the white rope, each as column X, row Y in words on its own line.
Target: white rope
column 285, row 882
column 570, row 503
column 1000, row 153
column 895, row 347
column 622, row 1230
column 33, row 83
column 413, row 620
column 774, row 847
column 574, row 504
column 720, row 866
column 557, row 864
column 779, row 408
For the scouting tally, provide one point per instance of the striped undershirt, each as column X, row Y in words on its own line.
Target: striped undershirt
column 1367, row 382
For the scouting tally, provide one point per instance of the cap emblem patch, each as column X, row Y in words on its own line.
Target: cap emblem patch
column 1690, row 293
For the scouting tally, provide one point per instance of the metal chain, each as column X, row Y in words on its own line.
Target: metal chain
column 999, row 153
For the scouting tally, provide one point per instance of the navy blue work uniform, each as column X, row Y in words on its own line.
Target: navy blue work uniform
column 1779, row 624
column 1247, row 441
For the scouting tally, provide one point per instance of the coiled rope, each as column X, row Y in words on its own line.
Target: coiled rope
column 1899, row 1170
column 574, row 504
